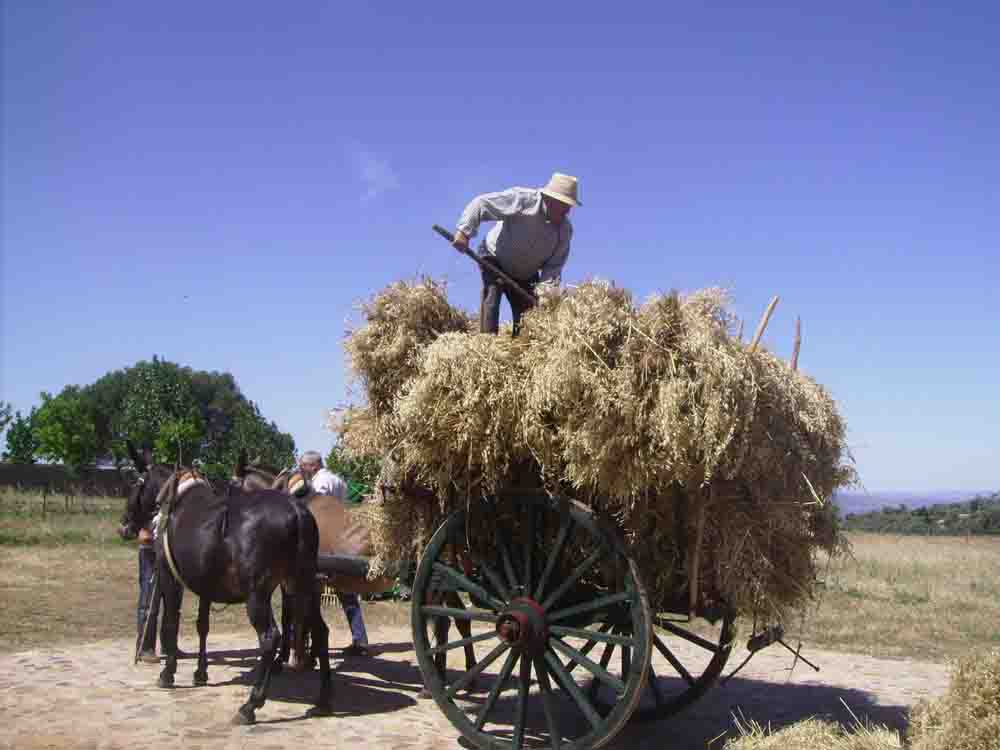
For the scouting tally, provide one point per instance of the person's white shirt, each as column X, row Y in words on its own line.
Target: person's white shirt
column 325, row 482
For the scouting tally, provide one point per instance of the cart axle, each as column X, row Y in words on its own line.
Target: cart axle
column 523, row 625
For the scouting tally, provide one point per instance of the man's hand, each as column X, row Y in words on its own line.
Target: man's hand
column 461, row 242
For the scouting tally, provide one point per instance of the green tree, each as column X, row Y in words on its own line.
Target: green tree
column 179, row 438
column 6, row 415
column 64, row 429
column 105, row 397
column 159, row 393
column 360, row 472
column 247, row 429
column 173, row 408
column 21, row 442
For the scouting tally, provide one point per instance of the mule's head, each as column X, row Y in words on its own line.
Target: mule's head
column 141, row 505
column 250, row 477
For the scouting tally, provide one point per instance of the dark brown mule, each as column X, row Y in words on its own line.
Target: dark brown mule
column 345, row 544
column 232, row 549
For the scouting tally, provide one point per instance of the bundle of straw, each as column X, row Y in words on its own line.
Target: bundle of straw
column 714, row 458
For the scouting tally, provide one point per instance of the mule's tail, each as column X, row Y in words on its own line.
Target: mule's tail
column 306, row 554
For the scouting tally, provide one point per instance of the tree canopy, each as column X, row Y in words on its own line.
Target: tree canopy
column 360, row 472
column 192, row 416
column 21, row 442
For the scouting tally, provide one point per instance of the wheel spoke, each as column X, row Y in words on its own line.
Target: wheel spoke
column 591, row 641
column 674, row 661
column 575, row 576
column 508, row 667
column 433, row 610
column 557, row 548
column 567, row 683
column 579, row 609
column 522, row 703
column 555, row 739
column 466, row 585
column 626, row 661
column 592, row 636
column 494, row 578
column 469, row 676
column 688, row 635
column 529, row 546
column 609, row 649
column 508, row 565
column 464, row 642
column 598, row 671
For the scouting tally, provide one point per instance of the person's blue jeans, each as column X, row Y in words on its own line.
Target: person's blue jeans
column 147, row 566
column 352, row 608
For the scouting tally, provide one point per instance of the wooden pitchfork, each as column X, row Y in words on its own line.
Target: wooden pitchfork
column 491, row 267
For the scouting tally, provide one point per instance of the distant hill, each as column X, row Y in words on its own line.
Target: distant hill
column 979, row 514
column 863, row 501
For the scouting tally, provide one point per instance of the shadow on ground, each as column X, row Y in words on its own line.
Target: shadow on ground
column 374, row 686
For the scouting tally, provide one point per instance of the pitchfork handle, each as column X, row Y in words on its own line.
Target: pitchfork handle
column 486, row 265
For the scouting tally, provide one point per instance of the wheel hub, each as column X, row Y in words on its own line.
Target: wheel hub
column 523, row 625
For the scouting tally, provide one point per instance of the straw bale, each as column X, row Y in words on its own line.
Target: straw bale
column 576, row 417
column 460, row 416
column 398, row 322
column 967, row 716
column 656, row 415
column 400, row 518
column 813, row 734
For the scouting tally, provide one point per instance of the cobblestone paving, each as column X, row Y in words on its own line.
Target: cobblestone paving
column 93, row 697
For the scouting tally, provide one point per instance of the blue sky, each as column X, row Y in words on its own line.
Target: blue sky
column 220, row 183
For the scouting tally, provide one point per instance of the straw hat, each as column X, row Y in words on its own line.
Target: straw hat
column 562, row 187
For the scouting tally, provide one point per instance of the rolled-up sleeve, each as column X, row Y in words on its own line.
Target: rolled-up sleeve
column 490, row 207
column 551, row 271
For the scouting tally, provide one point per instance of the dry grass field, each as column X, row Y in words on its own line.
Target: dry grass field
column 930, row 598
column 65, row 577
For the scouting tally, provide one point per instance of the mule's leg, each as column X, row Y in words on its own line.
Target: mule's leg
column 298, row 642
column 286, row 634
column 320, row 636
column 204, row 610
column 452, row 599
column 173, row 597
column 262, row 619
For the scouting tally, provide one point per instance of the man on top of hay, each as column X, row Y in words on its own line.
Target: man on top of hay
column 530, row 242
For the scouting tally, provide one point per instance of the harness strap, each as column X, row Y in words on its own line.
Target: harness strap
column 170, row 559
column 189, row 481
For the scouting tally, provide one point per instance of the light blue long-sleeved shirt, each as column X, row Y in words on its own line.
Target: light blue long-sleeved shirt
column 524, row 241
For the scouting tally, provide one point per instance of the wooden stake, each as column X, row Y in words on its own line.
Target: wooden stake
column 739, row 333
column 695, row 572
column 763, row 324
column 798, row 343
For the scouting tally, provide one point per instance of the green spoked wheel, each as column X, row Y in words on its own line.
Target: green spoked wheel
column 688, row 657
column 541, row 581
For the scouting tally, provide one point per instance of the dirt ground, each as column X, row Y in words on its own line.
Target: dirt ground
column 92, row 696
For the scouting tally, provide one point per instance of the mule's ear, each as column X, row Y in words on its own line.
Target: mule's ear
column 241, row 464
column 140, row 464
